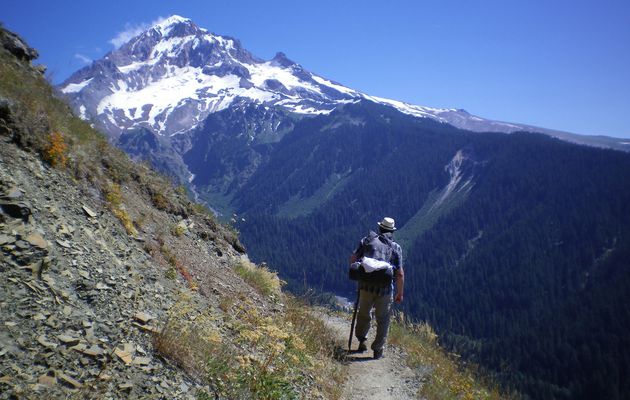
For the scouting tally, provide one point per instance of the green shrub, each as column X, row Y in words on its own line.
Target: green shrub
column 177, row 230
column 160, row 201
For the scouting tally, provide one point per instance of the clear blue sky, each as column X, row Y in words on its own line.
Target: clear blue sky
column 559, row 64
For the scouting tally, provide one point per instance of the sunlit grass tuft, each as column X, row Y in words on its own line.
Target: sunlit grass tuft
column 259, row 277
column 114, row 199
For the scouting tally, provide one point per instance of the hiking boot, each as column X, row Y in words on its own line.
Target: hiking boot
column 378, row 354
column 362, row 346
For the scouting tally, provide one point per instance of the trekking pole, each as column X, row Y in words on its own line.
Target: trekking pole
column 354, row 318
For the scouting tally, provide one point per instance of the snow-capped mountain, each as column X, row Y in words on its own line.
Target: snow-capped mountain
column 203, row 109
column 172, row 76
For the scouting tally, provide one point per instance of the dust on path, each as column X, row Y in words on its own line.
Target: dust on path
column 369, row 379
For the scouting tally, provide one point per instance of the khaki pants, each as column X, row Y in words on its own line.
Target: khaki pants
column 382, row 306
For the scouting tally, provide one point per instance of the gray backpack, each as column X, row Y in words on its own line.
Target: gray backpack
column 378, row 247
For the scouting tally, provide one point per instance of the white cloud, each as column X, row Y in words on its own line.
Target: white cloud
column 131, row 31
column 84, row 59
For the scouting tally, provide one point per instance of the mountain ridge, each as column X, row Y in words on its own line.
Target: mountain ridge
column 173, row 46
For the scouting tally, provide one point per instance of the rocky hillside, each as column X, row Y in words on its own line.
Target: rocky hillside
column 114, row 285
column 83, row 299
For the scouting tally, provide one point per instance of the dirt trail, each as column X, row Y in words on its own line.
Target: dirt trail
column 369, row 379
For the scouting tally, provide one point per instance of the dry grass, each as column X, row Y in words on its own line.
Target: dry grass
column 447, row 378
column 114, row 199
column 177, row 265
column 160, row 201
column 189, row 343
column 319, row 340
column 164, row 256
column 241, row 352
column 261, row 278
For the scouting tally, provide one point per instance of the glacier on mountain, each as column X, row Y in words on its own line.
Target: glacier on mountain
column 76, row 87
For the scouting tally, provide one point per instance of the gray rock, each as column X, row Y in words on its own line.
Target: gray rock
column 37, row 240
column 4, row 239
column 141, row 361
column 94, row 351
column 64, row 243
column 41, row 68
column 22, row 245
column 65, row 230
column 143, row 317
column 89, row 212
column 52, row 322
column 39, row 317
column 43, row 340
column 69, row 380
column 68, row 340
column 13, row 194
column 17, row 46
column 47, row 380
column 16, row 210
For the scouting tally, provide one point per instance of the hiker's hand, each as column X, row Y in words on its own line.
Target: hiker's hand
column 399, row 298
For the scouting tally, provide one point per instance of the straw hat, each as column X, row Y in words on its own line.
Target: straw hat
column 388, row 224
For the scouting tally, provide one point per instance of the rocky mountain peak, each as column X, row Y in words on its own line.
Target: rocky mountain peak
column 174, row 24
column 281, row 59
column 177, row 41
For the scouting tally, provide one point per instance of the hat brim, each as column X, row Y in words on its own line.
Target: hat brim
column 386, row 227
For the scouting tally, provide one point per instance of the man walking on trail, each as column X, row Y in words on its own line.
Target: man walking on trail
column 381, row 259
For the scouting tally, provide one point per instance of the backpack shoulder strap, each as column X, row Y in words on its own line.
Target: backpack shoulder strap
column 368, row 238
column 390, row 245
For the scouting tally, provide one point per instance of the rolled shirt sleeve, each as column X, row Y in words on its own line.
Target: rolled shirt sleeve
column 397, row 258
